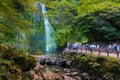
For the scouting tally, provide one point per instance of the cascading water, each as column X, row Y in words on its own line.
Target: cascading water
column 50, row 44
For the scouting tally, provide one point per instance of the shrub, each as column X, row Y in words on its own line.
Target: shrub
column 113, row 65
column 7, row 52
column 13, row 62
column 97, row 65
column 9, row 70
column 38, row 52
column 22, row 59
column 25, row 62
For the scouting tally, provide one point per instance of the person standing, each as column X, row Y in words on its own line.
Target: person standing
column 116, row 49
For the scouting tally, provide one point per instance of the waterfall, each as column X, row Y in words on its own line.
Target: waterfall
column 44, row 38
column 50, row 44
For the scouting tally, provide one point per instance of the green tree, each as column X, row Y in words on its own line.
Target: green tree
column 12, row 20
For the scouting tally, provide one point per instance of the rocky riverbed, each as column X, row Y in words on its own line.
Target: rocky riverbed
column 63, row 68
column 57, row 69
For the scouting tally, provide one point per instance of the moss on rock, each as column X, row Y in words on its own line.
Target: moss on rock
column 26, row 62
column 97, row 65
column 9, row 70
column 13, row 63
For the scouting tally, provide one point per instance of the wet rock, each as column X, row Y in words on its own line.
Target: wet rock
column 107, row 77
column 42, row 67
column 78, row 78
column 68, row 74
column 67, row 78
column 10, row 76
column 38, row 76
column 63, row 64
column 30, row 74
column 65, row 69
column 53, row 61
column 75, row 73
column 56, row 71
column 42, row 61
column 66, row 63
column 85, row 76
column 58, row 61
column 52, row 76
column 37, row 68
column 49, row 62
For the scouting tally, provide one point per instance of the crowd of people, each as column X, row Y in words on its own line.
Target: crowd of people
column 113, row 48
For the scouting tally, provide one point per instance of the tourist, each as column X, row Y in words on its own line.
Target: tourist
column 75, row 46
column 116, row 49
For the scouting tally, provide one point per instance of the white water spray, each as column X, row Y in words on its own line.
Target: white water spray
column 50, row 44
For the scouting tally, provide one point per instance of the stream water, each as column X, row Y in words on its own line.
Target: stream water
column 51, row 54
column 53, row 68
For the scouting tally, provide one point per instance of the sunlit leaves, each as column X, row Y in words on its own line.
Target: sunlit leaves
column 91, row 20
column 12, row 19
column 95, row 5
column 61, row 11
column 101, row 25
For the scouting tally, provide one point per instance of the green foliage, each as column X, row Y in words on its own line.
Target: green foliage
column 84, row 21
column 62, row 14
column 25, row 78
column 9, row 70
column 89, row 6
column 7, row 53
column 73, row 20
column 98, row 65
column 38, row 52
column 12, row 20
column 28, row 62
column 101, row 25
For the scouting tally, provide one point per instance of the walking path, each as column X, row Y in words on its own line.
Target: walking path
column 84, row 51
column 102, row 53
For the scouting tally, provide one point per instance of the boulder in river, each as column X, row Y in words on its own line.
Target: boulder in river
column 42, row 61
column 85, row 76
